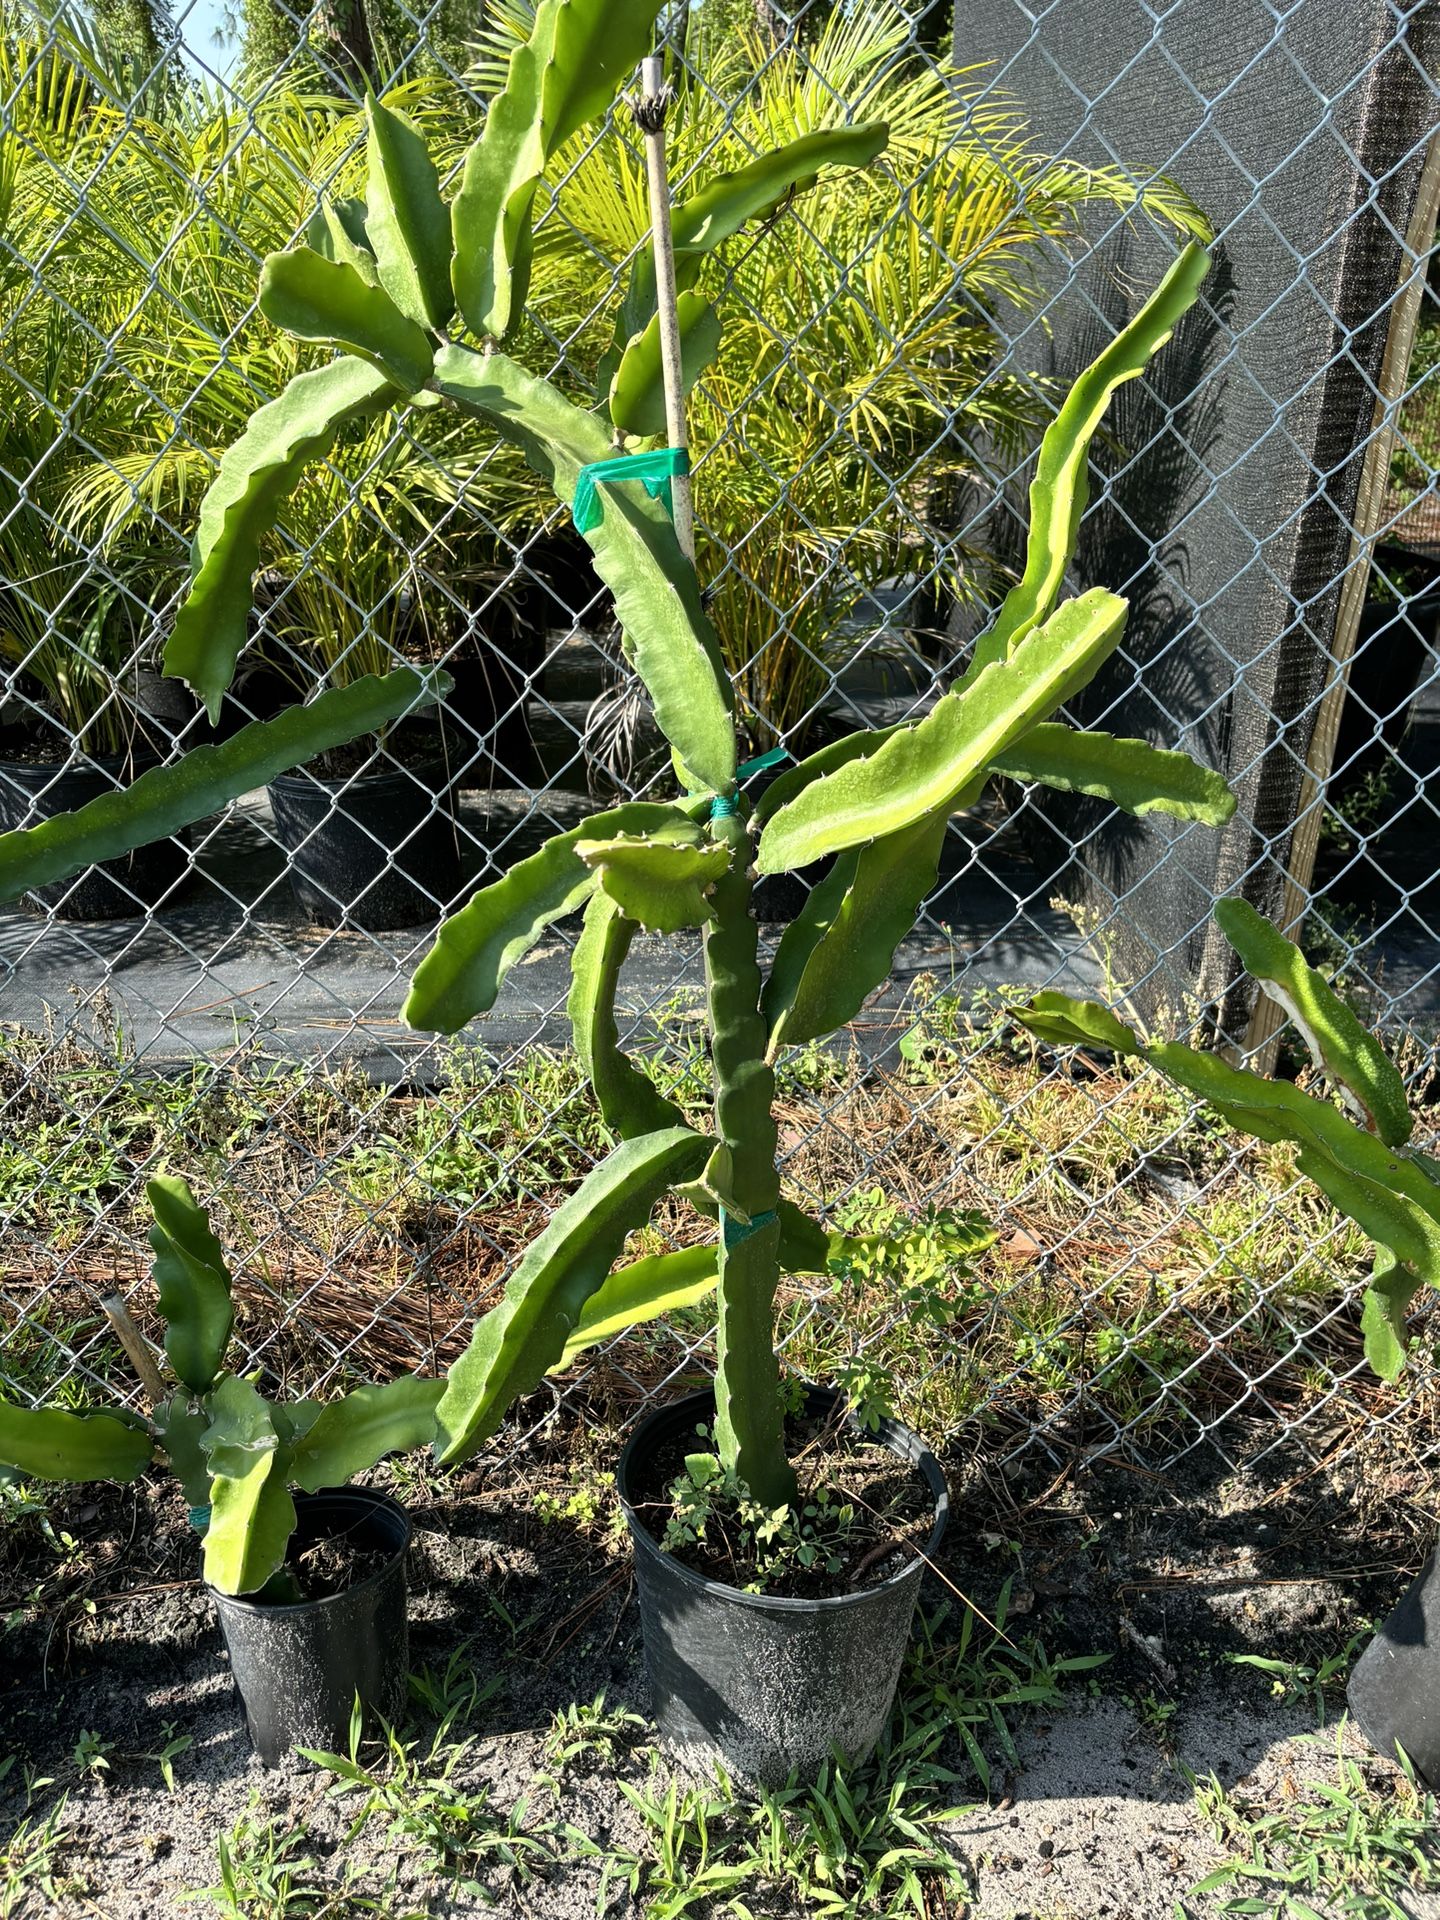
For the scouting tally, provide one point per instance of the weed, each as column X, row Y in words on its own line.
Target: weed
column 29, row 1860
column 416, row 1792
column 707, row 1498
column 591, row 1734
column 861, row 1843
column 590, row 1505
column 971, row 1680
column 1296, row 1677
column 91, row 1758
column 1339, row 1850
column 266, row 1873
column 684, row 1870
column 454, row 1695
column 175, row 1745
column 1154, row 1716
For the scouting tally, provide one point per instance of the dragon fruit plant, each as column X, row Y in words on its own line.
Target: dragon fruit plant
column 1365, row 1165
column 394, row 286
column 235, row 1453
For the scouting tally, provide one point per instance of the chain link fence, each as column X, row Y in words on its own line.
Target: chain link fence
column 229, row 1007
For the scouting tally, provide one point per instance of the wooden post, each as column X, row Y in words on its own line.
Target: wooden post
column 650, row 118
column 1268, row 1017
column 136, row 1348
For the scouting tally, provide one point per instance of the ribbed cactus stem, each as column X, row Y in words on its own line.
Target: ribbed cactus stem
column 749, row 1431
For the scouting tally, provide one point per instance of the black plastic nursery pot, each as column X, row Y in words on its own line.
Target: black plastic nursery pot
column 1394, row 1689
column 33, row 791
column 374, row 850
column 298, row 1668
column 761, row 1684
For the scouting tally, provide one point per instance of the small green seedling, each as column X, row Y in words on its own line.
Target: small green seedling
column 235, row 1453
column 1299, row 1677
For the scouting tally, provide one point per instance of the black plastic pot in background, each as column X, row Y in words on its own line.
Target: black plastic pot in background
column 489, row 702
column 765, row 1685
column 1394, row 1690
column 373, row 850
column 298, row 1668
column 33, row 791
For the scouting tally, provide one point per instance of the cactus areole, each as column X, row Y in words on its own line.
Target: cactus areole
column 391, row 289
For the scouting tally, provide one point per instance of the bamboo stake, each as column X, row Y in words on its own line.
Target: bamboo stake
column 649, row 113
column 136, row 1347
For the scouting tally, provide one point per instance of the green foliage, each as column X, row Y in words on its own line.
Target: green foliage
column 931, row 767
column 407, row 224
column 45, row 1443
column 839, row 947
column 839, row 387
column 252, row 1514
column 628, row 1098
column 30, row 1863
column 666, row 632
column 352, row 1433
column 476, row 947
column 661, row 882
column 520, row 1339
column 256, row 473
column 666, row 867
column 268, row 1871
column 637, row 390
column 1128, row 773
column 192, row 1283
column 1065, row 1022
column 331, row 303
column 1299, row 1678
column 646, row 1289
column 1390, row 1190
column 857, row 1843
column 1061, row 486
column 1346, row 1053
column 165, row 799
column 560, row 78
column 231, row 1449
column 588, row 1735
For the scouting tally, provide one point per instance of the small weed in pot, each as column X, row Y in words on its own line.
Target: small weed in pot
column 309, row 1586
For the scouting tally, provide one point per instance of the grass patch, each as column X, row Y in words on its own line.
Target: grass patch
column 1339, row 1849
column 1143, row 1262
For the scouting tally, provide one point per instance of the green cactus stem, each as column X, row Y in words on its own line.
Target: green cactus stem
column 748, row 1427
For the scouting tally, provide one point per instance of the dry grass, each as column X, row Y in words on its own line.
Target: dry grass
column 1145, row 1276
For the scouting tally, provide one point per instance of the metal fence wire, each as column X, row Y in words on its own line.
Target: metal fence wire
column 229, row 1007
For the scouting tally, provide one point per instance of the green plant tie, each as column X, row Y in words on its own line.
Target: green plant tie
column 723, row 803
column 761, row 761
column 734, row 1231
column 199, row 1518
column 655, row 472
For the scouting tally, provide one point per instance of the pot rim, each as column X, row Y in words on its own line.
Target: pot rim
column 270, row 1609
column 88, row 763
column 889, row 1433
column 304, row 781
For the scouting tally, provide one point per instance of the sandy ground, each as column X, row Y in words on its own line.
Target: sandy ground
column 1097, row 1822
